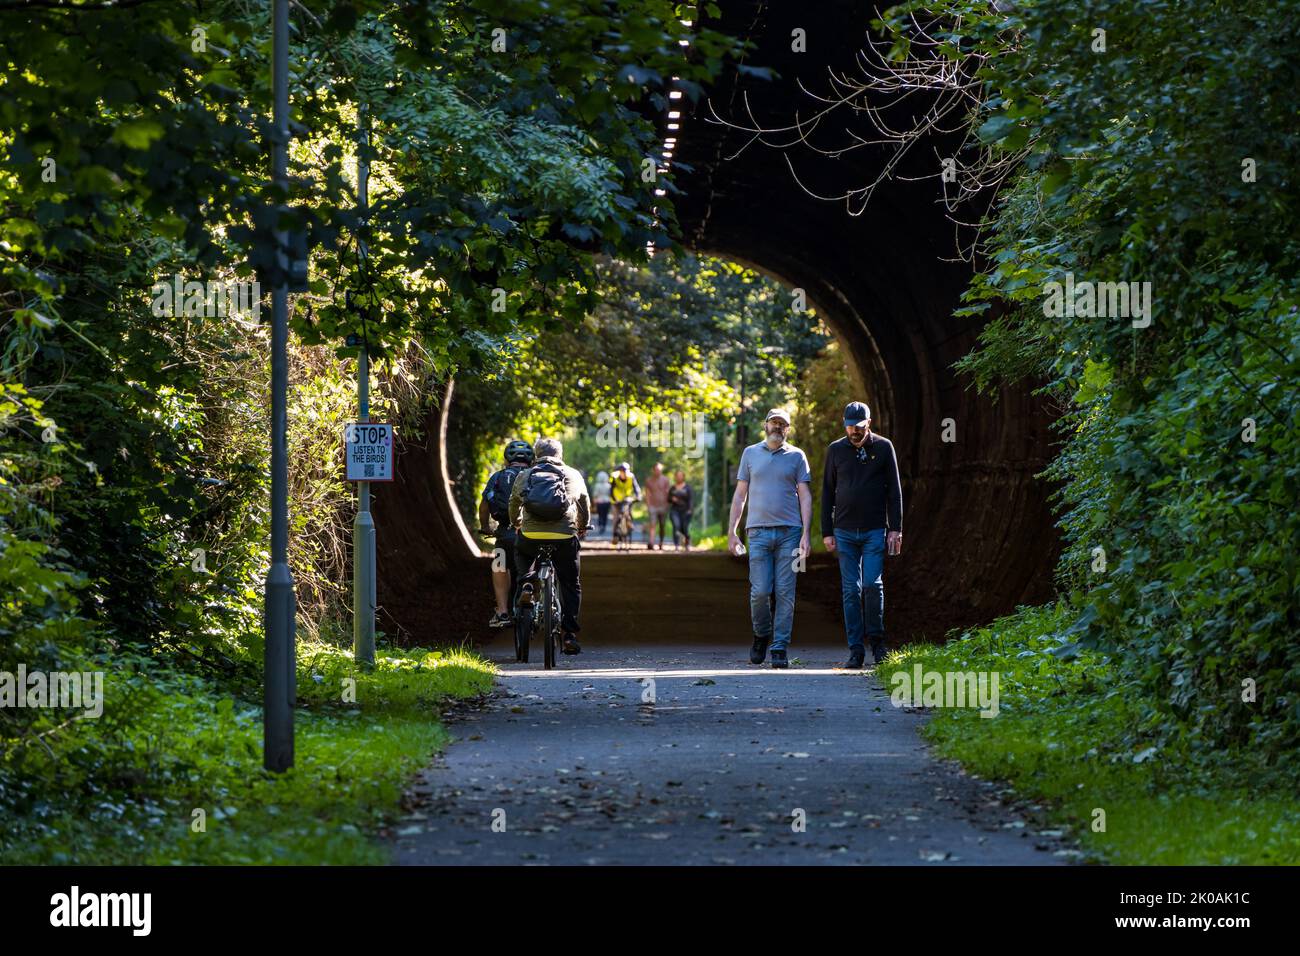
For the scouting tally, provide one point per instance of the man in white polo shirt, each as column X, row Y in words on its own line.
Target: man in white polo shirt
column 774, row 477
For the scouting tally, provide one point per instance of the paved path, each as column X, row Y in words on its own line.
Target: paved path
column 722, row 767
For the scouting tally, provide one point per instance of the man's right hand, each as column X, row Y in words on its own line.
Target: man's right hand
column 829, row 542
column 733, row 544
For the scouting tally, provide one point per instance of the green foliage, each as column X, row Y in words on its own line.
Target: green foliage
column 123, row 790
column 496, row 174
column 1168, row 158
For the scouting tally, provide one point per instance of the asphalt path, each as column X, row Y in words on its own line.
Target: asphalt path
column 662, row 744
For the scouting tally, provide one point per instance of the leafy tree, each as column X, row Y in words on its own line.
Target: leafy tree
column 667, row 337
column 1152, row 143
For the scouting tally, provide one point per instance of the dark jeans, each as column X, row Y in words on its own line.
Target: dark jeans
column 564, row 555
column 681, row 524
column 862, row 585
column 602, row 516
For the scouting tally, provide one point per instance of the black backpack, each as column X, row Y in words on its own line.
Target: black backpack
column 502, row 482
column 546, row 495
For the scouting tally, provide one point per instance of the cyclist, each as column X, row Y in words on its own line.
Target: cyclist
column 494, row 505
column 549, row 504
column 623, row 490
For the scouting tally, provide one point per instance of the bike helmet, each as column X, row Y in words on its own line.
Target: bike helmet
column 624, row 466
column 519, row 451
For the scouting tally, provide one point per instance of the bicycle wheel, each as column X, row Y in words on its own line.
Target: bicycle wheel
column 549, row 623
column 523, row 633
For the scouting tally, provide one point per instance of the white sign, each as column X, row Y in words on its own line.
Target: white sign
column 368, row 448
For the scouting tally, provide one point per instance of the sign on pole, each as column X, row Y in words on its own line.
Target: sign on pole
column 368, row 448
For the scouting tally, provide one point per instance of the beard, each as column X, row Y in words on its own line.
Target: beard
column 775, row 440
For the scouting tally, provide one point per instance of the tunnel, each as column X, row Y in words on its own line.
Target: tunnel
column 978, row 531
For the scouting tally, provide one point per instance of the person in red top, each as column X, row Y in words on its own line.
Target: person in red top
column 656, row 501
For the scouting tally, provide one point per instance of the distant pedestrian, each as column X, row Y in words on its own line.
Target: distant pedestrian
column 773, row 476
column 681, row 501
column 600, row 492
column 656, row 503
column 862, row 520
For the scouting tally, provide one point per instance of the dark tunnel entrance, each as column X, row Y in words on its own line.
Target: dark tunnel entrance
column 978, row 527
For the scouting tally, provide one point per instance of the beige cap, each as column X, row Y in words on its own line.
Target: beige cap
column 780, row 413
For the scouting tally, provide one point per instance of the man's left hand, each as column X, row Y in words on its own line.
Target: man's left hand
column 805, row 546
column 894, row 542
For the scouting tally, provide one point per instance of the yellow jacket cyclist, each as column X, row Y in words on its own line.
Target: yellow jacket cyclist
column 623, row 486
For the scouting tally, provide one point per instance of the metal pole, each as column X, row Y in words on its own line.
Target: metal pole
column 704, row 506
column 280, row 603
column 363, row 528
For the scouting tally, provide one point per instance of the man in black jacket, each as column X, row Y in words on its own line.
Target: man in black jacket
column 862, row 519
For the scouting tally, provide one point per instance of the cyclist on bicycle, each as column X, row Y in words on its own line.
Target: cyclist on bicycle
column 549, row 505
column 623, row 490
column 494, row 506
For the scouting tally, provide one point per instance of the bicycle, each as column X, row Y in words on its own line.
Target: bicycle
column 622, row 533
column 544, row 613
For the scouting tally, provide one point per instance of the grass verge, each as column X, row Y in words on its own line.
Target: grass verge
column 1075, row 734
column 172, row 773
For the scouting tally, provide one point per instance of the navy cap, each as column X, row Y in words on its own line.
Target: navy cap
column 857, row 413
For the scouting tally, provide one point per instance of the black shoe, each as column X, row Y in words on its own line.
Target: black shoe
column 758, row 651
column 857, row 657
column 501, row 619
column 570, row 645
column 878, row 651
column 778, row 659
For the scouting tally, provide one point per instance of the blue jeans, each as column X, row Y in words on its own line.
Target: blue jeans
column 862, row 562
column 771, row 569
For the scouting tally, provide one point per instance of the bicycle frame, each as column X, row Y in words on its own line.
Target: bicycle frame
column 546, row 609
column 621, row 534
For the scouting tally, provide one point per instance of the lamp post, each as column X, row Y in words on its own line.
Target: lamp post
column 280, row 691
